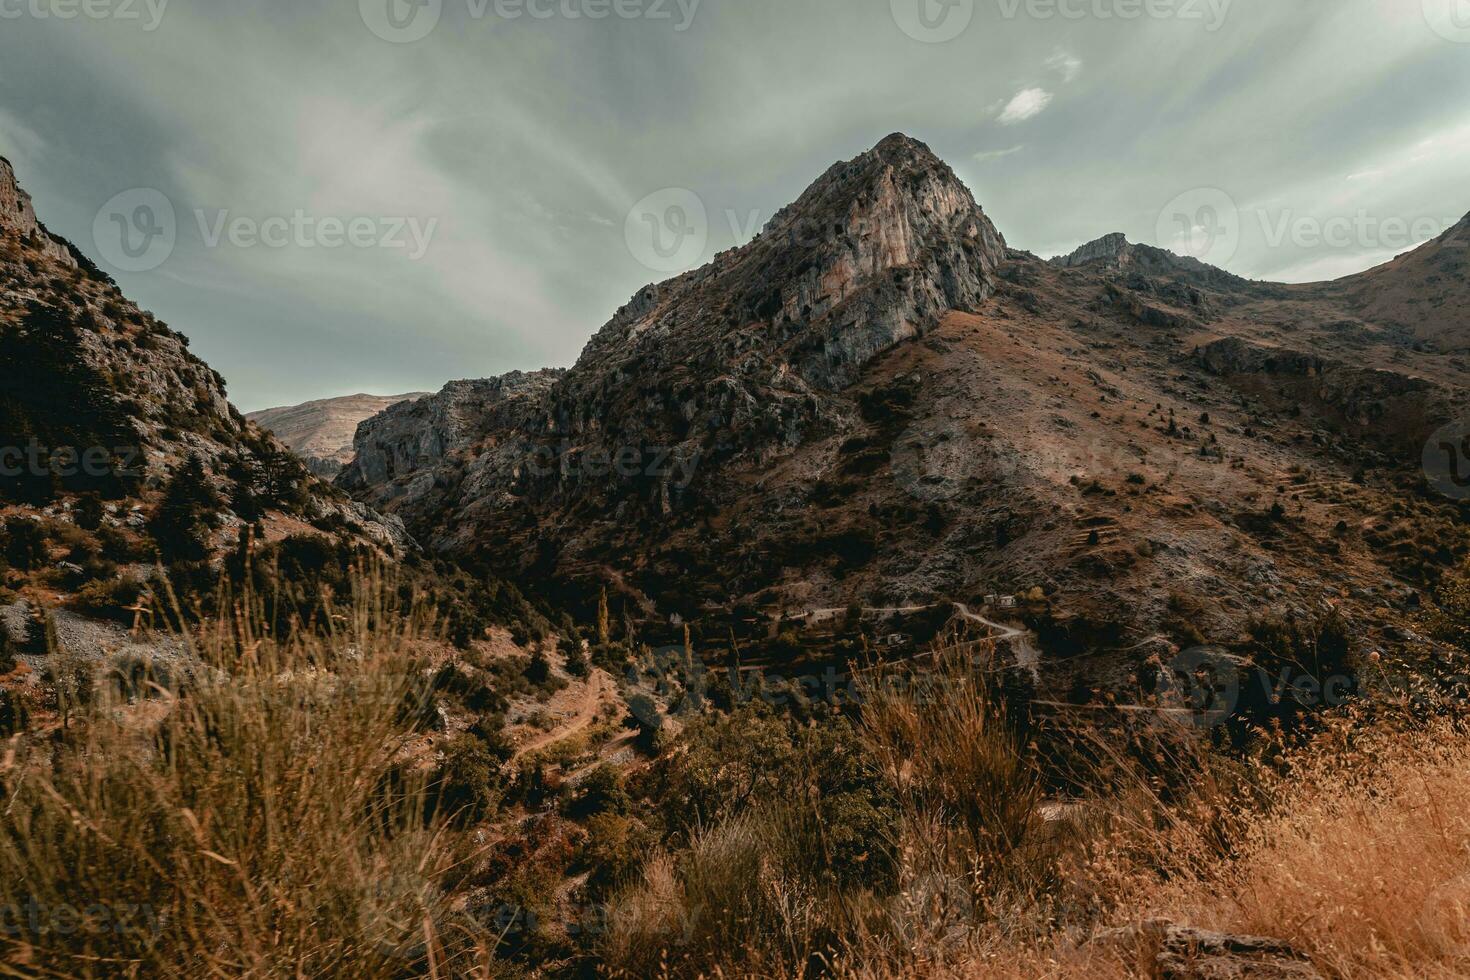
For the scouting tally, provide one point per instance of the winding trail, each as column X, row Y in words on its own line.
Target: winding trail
column 586, row 714
column 1019, row 639
column 1027, row 656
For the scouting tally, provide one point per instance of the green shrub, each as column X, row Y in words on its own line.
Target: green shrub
column 601, row 791
column 467, row 787
column 23, row 543
column 109, row 598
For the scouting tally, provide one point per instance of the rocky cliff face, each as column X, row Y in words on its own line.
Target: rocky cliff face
column 1109, row 248
column 733, row 360
column 1387, row 409
column 18, row 220
column 412, row 457
column 1116, row 253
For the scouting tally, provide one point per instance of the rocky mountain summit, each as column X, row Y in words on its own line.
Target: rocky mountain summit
column 876, row 404
column 730, row 360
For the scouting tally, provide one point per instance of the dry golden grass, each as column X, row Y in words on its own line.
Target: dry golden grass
column 1353, row 849
column 248, row 821
column 253, row 819
column 1365, row 866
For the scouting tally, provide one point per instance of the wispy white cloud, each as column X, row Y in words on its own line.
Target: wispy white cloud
column 985, row 156
column 1067, row 65
column 1024, row 105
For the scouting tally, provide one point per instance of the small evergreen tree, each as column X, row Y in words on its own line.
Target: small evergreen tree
column 88, row 512
column 7, row 649
column 188, row 513
column 247, row 491
column 40, row 634
column 23, row 542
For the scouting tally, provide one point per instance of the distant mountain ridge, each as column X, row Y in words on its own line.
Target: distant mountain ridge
column 321, row 431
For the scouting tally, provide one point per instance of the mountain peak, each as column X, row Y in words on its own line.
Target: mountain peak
column 901, row 146
column 874, row 252
column 1105, row 249
column 899, row 181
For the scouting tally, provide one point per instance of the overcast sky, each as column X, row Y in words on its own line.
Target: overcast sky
column 383, row 195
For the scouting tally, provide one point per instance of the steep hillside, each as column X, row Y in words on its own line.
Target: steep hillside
column 1423, row 292
column 321, row 432
column 101, row 404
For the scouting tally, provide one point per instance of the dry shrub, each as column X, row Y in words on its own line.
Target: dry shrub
column 753, row 895
column 970, row 794
column 250, row 820
column 743, row 895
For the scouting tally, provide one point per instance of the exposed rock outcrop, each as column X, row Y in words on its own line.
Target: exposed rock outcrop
column 1115, row 253
column 731, row 360
column 1386, row 408
column 1109, row 248
column 18, row 220
column 1184, row 953
column 413, row 455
